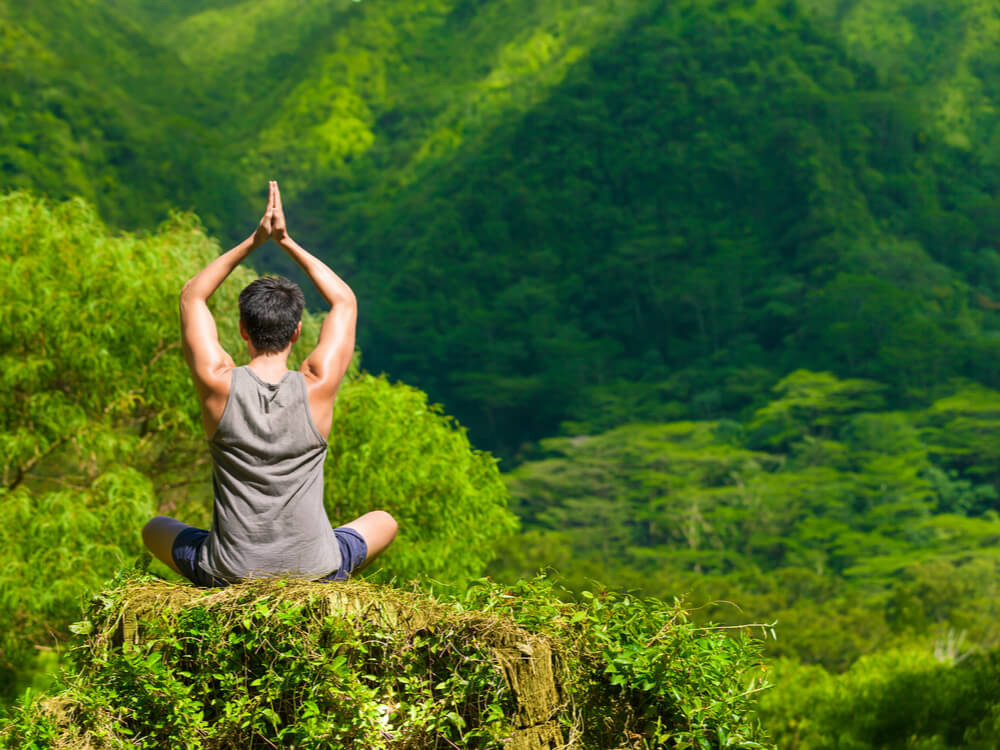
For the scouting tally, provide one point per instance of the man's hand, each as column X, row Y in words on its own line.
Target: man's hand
column 279, row 232
column 324, row 368
column 266, row 227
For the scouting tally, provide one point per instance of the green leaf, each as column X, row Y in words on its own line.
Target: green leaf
column 83, row 627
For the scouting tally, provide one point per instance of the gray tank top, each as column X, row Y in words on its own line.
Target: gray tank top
column 268, row 516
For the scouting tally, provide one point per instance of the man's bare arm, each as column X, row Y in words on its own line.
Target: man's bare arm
column 204, row 354
column 326, row 365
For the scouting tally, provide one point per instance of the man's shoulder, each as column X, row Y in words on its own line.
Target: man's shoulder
column 215, row 380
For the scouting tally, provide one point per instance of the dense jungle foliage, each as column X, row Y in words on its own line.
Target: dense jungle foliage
column 718, row 279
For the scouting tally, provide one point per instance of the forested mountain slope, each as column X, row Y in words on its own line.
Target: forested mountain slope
column 943, row 54
column 852, row 525
column 708, row 200
column 92, row 106
column 573, row 210
column 367, row 96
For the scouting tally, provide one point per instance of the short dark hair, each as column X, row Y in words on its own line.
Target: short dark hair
column 271, row 308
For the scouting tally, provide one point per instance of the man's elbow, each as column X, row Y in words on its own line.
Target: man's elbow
column 189, row 294
column 346, row 300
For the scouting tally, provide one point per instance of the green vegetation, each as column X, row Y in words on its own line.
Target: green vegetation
column 90, row 106
column 718, row 279
column 868, row 536
column 571, row 211
column 289, row 663
column 898, row 698
column 709, row 200
column 853, row 527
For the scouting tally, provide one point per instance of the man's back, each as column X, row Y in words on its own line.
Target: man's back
column 268, row 484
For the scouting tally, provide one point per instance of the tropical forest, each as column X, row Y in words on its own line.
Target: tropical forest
column 677, row 363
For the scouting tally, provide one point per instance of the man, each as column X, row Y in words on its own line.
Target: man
column 267, row 429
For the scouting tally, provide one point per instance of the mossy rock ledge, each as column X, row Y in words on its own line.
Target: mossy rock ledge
column 298, row 664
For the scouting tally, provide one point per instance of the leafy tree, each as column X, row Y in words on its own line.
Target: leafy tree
column 906, row 697
column 390, row 449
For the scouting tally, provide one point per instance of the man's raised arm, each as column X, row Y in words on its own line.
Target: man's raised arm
column 326, row 365
column 205, row 357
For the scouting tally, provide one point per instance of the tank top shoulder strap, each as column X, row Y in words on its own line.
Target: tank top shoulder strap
column 306, row 407
column 227, row 412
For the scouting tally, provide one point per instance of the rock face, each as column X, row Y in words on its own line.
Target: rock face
column 297, row 664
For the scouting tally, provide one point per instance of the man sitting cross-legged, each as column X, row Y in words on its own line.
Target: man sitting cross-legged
column 267, row 428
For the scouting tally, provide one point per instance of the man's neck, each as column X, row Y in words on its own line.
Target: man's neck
column 270, row 366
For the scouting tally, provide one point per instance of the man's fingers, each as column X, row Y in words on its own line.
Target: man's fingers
column 277, row 198
column 269, row 211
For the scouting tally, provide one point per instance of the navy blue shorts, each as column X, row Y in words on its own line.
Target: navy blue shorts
column 353, row 552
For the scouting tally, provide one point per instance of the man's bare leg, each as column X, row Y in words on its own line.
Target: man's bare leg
column 377, row 528
column 159, row 534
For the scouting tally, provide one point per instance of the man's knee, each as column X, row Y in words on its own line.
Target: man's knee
column 159, row 535
column 378, row 529
column 387, row 523
column 149, row 530
column 159, row 531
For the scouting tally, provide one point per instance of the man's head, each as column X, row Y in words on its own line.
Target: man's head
column 270, row 311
